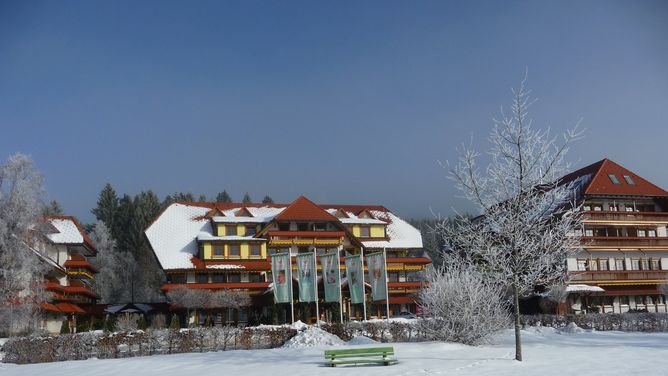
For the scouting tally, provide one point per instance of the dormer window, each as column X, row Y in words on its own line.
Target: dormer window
column 613, row 179
column 629, row 180
column 365, row 232
column 230, row 230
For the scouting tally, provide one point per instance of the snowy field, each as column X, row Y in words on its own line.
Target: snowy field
column 547, row 352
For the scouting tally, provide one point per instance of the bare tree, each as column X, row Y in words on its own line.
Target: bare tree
column 528, row 216
column 22, row 266
column 461, row 304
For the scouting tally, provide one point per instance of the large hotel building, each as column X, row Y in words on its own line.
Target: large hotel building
column 228, row 246
column 624, row 258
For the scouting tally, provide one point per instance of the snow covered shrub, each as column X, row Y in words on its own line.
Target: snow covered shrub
column 400, row 332
column 340, row 330
column 462, row 305
column 158, row 322
column 246, row 338
column 127, row 323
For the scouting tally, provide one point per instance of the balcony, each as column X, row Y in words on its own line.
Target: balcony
column 624, row 242
column 618, row 275
column 288, row 238
column 627, row 217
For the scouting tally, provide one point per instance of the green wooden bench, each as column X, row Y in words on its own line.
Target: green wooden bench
column 371, row 355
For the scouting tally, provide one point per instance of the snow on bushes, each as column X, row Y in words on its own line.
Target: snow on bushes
column 313, row 336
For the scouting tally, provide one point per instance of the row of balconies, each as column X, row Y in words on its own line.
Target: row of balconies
column 618, row 275
column 623, row 216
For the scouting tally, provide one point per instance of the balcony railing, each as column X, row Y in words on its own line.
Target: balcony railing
column 619, row 216
column 621, row 241
column 621, row 275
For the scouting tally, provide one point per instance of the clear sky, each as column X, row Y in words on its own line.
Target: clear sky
column 344, row 102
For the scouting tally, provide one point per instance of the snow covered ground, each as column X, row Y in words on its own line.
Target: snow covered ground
column 547, row 352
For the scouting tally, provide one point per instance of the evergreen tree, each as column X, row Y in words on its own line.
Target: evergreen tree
column 247, row 199
column 142, row 325
column 53, row 208
column 107, row 206
column 65, row 328
column 223, row 197
column 202, row 198
column 267, row 200
column 147, row 282
column 174, row 324
column 122, row 223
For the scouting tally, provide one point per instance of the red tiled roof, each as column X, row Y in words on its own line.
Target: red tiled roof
column 49, row 307
column 601, row 184
column 303, row 209
column 80, row 264
column 69, row 308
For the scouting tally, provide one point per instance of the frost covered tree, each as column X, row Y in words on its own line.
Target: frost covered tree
column 462, row 305
column 22, row 267
column 113, row 265
column 528, row 215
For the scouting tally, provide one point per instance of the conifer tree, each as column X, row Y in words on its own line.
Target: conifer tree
column 247, row 199
column 267, row 200
column 223, row 197
column 53, row 208
column 107, row 206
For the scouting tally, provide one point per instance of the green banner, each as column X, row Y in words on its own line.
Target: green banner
column 377, row 276
column 355, row 276
column 306, row 274
column 331, row 277
column 281, row 271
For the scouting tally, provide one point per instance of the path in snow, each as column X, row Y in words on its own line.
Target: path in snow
column 546, row 351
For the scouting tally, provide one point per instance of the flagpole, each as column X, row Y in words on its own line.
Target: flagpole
column 363, row 287
column 315, row 282
column 387, row 288
column 292, row 298
column 338, row 270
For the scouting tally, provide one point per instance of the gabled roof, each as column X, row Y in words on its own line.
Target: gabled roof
column 303, row 209
column 68, row 231
column 597, row 180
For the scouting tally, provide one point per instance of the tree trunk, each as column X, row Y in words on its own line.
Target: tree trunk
column 516, row 313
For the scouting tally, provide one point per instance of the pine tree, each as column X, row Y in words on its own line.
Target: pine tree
column 174, row 324
column 53, row 208
column 142, row 325
column 247, row 199
column 267, row 200
column 65, row 327
column 107, row 206
column 223, row 197
column 201, row 198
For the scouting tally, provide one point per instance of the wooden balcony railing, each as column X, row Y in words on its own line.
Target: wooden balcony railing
column 618, row 275
column 619, row 216
column 622, row 241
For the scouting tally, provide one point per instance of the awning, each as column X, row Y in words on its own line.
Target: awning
column 583, row 288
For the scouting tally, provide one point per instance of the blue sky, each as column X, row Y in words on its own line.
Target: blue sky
column 350, row 102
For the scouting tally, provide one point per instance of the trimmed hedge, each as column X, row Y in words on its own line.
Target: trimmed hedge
column 626, row 322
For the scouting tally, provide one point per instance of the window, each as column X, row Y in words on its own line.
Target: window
column 655, row 264
column 589, row 232
column 629, row 208
column 613, row 179
column 365, row 232
column 218, row 278
column 255, row 277
column 177, row 278
column 644, row 264
column 230, row 230
column 302, row 226
column 255, row 250
column 582, row 264
column 603, row 264
column 629, row 181
column 635, row 264
column 641, row 233
column 651, row 233
column 284, row 226
column 593, row 265
column 586, row 208
column 234, row 278
column 201, row 278
column 250, row 230
column 235, row 250
column 598, row 208
column 619, row 264
column 218, row 250
column 320, row 226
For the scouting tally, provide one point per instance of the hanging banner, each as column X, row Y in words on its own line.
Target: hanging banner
column 331, row 277
column 377, row 276
column 355, row 276
column 281, row 271
column 306, row 275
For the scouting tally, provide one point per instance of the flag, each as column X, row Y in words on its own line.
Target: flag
column 281, row 271
column 331, row 277
column 355, row 276
column 306, row 274
column 377, row 276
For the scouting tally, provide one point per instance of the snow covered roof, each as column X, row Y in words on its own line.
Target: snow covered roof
column 175, row 233
column 400, row 233
column 225, row 266
column 68, row 231
column 583, row 288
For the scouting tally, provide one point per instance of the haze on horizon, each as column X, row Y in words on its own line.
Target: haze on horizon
column 344, row 102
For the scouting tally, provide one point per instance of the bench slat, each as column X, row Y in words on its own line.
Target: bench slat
column 339, row 356
column 360, row 350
